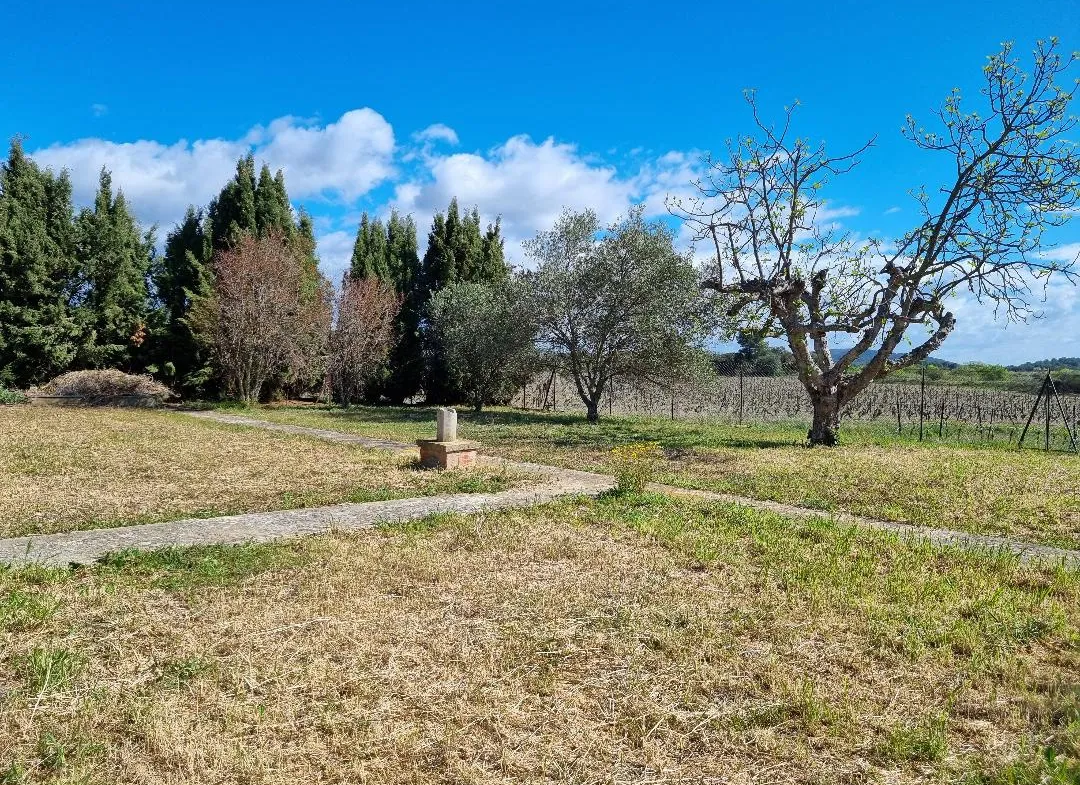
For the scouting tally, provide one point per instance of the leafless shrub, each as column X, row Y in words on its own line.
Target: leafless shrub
column 362, row 336
column 267, row 315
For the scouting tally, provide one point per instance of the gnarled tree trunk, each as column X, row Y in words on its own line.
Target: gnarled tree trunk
column 825, row 430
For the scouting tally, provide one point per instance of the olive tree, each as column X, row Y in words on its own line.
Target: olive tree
column 485, row 332
column 791, row 274
column 620, row 303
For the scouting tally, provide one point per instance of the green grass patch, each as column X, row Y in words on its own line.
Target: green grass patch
column 986, row 490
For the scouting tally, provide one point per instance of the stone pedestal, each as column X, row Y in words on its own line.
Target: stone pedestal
column 446, row 451
column 447, row 455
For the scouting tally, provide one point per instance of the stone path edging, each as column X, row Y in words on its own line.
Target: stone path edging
column 83, row 547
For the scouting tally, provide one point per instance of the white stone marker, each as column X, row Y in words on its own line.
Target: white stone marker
column 447, row 425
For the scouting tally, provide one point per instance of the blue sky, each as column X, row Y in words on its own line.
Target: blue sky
column 518, row 108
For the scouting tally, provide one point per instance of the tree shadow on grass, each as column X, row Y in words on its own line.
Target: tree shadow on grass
column 568, row 430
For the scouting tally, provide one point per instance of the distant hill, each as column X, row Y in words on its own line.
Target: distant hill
column 1056, row 363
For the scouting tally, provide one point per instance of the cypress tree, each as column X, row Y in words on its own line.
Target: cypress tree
column 457, row 252
column 180, row 277
column 114, row 258
column 406, row 362
column 493, row 265
column 233, row 213
column 369, row 256
column 272, row 208
column 39, row 335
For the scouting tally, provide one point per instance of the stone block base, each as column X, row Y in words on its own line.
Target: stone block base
column 447, row 455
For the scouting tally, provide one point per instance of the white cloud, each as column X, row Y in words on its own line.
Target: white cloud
column 528, row 184
column 335, row 253
column 1066, row 253
column 893, row 210
column 437, row 133
column 99, row 110
column 344, row 159
column 159, row 180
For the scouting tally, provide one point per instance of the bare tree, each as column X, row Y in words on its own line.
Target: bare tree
column 267, row 314
column 362, row 337
column 792, row 274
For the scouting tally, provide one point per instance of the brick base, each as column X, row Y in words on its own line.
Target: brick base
column 447, row 455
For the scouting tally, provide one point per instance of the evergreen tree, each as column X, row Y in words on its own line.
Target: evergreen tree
column 181, row 277
column 272, row 208
column 493, row 265
column 114, row 258
column 369, row 257
column 39, row 335
column 457, row 253
column 405, row 367
column 233, row 213
column 304, row 237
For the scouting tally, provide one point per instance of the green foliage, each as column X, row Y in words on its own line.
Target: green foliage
column 405, row 367
column 114, row 259
column 181, row 277
column 39, row 334
column 457, row 253
column 485, row 335
column 370, row 251
column 617, row 304
column 10, row 397
column 635, row 465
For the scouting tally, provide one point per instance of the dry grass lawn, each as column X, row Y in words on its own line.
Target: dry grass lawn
column 630, row 640
column 67, row 468
column 993, row 490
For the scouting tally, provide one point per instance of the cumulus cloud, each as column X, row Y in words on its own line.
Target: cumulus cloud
column 343, row 159
column 529, row 183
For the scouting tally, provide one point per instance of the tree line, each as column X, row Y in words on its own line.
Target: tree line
column 88, row 289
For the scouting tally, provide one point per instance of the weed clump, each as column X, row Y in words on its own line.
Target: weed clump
column 635, row 465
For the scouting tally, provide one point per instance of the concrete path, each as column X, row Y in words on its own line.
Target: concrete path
column 87, row 546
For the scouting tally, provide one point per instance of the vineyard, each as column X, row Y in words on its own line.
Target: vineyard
column 918, row 411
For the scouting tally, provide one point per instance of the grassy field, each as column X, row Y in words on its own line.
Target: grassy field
column 991, row 490
column 632, row 639
column 65, row 468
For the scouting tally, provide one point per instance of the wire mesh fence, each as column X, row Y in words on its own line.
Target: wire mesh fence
column 919, row 410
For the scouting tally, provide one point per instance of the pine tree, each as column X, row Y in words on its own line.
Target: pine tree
column 181, row 277
column 114, row 258
column 39, row 335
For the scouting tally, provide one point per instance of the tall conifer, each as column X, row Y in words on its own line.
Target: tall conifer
column 39, row 335
column 114, row 258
